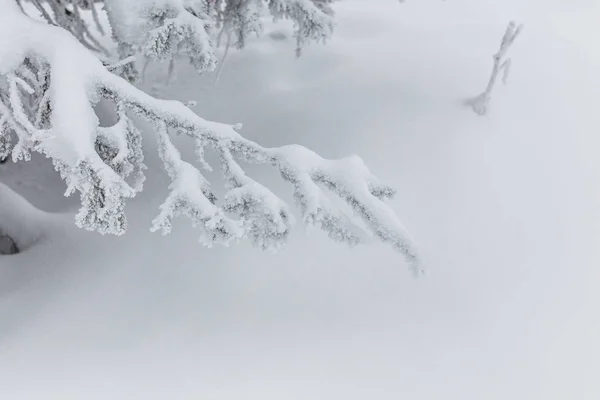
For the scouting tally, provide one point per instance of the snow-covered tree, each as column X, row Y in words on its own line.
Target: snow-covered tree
column 50, row 82
column 168, row 29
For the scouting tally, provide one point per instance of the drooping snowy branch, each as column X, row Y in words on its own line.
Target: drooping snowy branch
column 105, row 164
column 481, row 103
column 167, row 29
column 191, row 29
column 312, row 19
column 67, row 13
column 21, row 224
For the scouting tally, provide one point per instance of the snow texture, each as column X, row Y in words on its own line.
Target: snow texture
column 22, row 225
column 505, row 208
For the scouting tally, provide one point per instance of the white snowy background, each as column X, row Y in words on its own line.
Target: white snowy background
column 506, row 209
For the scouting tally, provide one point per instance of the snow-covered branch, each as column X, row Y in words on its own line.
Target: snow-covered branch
column 312, row 19
column 67, row 13
column 165, row 30
column 105, row 165
column 481, row 103
column 168, row 29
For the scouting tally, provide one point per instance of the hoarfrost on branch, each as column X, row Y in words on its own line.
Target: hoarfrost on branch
column 48, row 67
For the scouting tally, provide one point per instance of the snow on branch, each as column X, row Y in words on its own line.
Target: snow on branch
column 168, row 29
column 312, row 19
column 105, row 165
column 162, row 30
column 481, row 103
column 67, row 13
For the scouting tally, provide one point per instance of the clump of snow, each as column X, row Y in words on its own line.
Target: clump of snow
column 193, row 29
column 21, row 224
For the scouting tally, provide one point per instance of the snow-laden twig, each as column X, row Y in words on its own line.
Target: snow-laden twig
column 68, row 15
column 312, row 19
column 170, row 29
column 481, row 103
column 105, row 164
column 120, row 64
